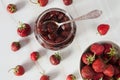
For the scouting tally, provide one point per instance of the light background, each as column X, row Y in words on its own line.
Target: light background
column 85, row 35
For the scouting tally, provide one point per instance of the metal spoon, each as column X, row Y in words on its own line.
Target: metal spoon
column 91, row 15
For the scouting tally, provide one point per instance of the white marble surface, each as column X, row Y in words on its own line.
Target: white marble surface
column 85, row 35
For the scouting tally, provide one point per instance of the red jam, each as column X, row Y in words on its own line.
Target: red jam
column 49, row 35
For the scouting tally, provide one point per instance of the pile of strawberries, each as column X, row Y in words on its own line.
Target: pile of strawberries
column 101, row 61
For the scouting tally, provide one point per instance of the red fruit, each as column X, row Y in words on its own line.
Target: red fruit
column 44, row 77
column 67, row 2
column 87, row 58
column 98, row 76
column 71, row 77
column 103, row 29
column 15, row 46
column 11, row 8
column 98, row 65
column 109, row 70
column 118, row 62
column 19, row 70
column 34, row 56
column 97, row 48
column 116, row 70
column 55, row 59
column 43, row 2
column 87, row 72
column 24, row 30
column 107, row 47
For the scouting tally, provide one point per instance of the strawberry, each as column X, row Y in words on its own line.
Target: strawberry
column 107, row 47
column 116, row 70
column 109, row 70
column 98, row 65
column 118, row 62
column 103, row 29
column 98, row 76
column 97, row 48
column 87, row 72
column 44, row 77
column 55, row 59
column 67, row 2
column 18, row 70
column 11, row 8
column 24, row 29
column 88, row 58
column 71, row 77
column 43, row 2
column 34, row 56
column 15, row 46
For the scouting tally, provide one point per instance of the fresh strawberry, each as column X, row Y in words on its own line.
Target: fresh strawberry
column 18, row 70
column 103, row 29
column 44, row 77
column 116, row 70
column 55, row 59
column 118, row 62
column 109, row 70
column 88, row 58
column 87, row 72
column 98, row 76
column 43, row 2
column 113, row 59
column 71, row 77
column 107, row 47
column 67, row 2
column 107, row 78
column 15, row 46
column 98, row 65
column 11, row 8
column 24, row 29
column 97, row 48
column 34, row 56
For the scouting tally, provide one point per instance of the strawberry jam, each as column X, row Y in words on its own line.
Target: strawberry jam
column 49, row 35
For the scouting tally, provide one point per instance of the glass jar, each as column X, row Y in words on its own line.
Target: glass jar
column 49, row 35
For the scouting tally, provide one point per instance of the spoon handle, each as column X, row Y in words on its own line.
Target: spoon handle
column 91, row 15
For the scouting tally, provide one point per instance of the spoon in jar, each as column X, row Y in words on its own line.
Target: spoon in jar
column 91, row 15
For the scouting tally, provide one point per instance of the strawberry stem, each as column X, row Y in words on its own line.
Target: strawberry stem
column 39, row 68
column 33, row 2
column 10, row 69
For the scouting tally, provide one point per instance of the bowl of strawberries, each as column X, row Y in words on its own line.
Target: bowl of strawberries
column 101, row 61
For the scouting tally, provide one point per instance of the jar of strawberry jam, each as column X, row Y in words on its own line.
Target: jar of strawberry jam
column 49, row 35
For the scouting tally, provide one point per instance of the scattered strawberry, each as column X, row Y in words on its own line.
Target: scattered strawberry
column 67, row 2
column 118, row 62
column 98, row 76
column 11, row 8
column 18, row 70
column 44, row 77
column 98, row 65
column 109, row 70
column 55, row 59
column 71, row 77
column 15, row 46
column 97, row 48
column 34, row 56
column 87, row 72
column 24, row 29
column 103, row 29
column 43, row 2
column 88, row 58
